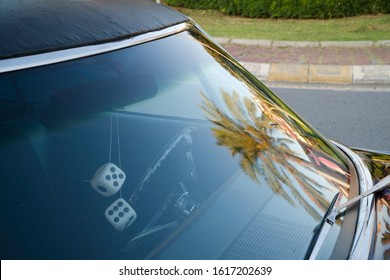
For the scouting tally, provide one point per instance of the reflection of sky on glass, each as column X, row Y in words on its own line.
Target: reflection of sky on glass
column 204, row 77
column 171, row 93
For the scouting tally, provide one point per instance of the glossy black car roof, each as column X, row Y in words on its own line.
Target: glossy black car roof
column 37, row 26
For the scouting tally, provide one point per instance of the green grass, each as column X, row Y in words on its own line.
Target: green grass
column 361, row 28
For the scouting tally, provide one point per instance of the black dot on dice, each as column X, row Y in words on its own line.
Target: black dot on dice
column 120, row 214
column 126, row 209
column 121, row 176
column 116, row 219
column 112, row 169
column 108, row 177
column 114, row 176
column 110, row 212
column 115, row 208
column 120, row 203
column 116, row 183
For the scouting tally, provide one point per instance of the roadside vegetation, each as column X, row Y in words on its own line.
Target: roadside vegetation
column 319, row 9
column 357, row 28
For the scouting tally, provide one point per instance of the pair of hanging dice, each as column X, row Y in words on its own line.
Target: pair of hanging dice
column 107, row 181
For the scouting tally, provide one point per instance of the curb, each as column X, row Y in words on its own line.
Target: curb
column 321, row 74
column 322, row 44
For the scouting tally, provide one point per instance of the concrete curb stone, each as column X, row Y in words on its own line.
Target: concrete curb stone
column 352, row 44
column 260, row 43
column 336, row 74
column 294, row 73
column 271, row 43
column 383, row 43
column 283, row 44
column 371, row 74
column 318, row 74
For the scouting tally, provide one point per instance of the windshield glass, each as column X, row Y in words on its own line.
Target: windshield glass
column 167, row 149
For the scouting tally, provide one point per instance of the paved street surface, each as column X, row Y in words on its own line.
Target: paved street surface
column 352, row 117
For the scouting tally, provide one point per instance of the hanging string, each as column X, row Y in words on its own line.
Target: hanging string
column 118, row 140
column 119, row 146
column 110, row 145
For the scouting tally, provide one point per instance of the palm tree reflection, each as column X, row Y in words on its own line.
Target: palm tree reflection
column 265, row 150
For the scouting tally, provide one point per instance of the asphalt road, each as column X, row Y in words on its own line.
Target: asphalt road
column 356, row 118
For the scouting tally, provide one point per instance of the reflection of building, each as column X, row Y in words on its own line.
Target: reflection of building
column 287, row 129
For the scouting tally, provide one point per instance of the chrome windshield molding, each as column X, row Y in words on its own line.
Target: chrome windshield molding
column 24, row 62
column 365, row 225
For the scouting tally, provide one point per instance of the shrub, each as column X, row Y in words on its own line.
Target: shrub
column 194, row 4
column 289, row 8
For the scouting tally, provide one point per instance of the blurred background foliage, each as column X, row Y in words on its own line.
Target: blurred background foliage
column 313, row 9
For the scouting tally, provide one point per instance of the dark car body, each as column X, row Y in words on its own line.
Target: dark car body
column 127, row 133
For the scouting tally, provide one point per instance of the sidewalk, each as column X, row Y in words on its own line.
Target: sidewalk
column 349, row 63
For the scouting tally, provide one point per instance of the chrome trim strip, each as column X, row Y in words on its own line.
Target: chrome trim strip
column 25, row 62
column 365, row 225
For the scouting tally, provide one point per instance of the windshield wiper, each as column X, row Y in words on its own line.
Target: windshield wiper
column 331, row 216
column 385, row 182
column 321, row 231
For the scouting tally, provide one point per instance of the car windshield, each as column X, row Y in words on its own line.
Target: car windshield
column 167, row 149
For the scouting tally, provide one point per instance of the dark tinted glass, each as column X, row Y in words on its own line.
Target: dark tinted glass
column 168, row 149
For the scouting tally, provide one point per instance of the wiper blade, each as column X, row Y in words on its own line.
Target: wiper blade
column 323, row 228
column 385, row 182
column 331, row 215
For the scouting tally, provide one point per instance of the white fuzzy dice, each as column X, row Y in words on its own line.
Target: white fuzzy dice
column 108, row 180
column 120, row 214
